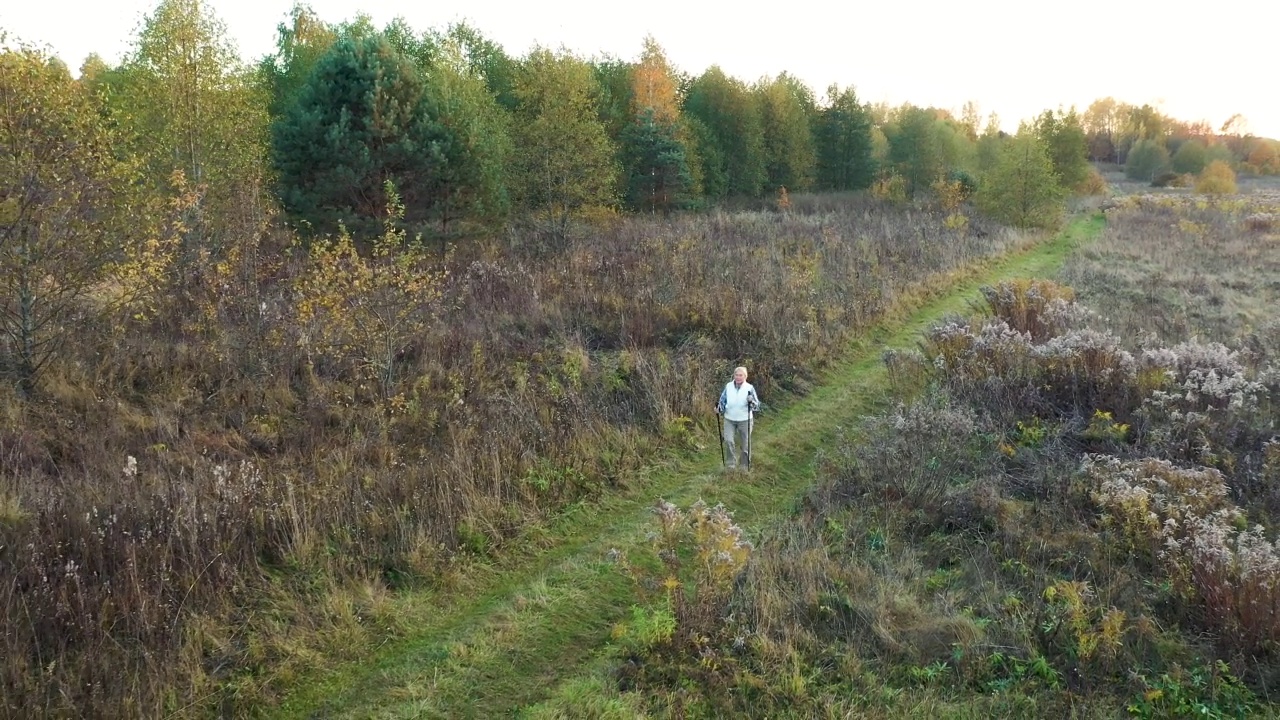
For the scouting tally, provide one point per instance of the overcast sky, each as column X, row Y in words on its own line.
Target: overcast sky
column 1014, row 57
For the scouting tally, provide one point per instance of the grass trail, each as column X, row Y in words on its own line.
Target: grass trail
column 533, row 618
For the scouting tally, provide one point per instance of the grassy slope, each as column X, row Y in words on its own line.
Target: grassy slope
column 528, row 621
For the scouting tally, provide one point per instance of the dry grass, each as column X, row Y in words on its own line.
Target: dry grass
column 207, row 573
column 1181, row 268
column 956, row 558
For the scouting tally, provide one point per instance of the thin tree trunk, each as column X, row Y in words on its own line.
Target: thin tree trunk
column 26, row 332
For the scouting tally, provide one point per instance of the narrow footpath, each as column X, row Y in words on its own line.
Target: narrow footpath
column 542, row 613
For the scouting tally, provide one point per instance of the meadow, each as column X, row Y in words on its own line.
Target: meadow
column 329, row 368
column 201, row 512
column 1069, row 511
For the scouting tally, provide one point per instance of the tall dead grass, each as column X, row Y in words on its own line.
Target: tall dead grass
column 195, row 511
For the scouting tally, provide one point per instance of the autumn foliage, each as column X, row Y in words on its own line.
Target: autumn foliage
column 1217, row 179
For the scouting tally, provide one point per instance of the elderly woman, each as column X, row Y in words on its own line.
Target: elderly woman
column 738, row 401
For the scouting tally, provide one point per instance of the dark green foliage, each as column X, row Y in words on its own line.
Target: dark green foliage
column 1064, row 139
column 656, row 166
column 733, row 146
column 843, row 140
column 913, row 148
column 968, row 183
column 487, row 59
column 362, row 118
column 708, row 158
column 1191, row 157
column 472, row 146
column 1147, row 160
column 788, row 112
column 613, row 95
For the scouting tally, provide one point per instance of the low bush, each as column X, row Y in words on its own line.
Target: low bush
column 1217, row 179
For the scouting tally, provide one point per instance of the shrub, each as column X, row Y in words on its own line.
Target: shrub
column 1205, row 691
column 1030, row 305
column 1093, row 184
column 1183, row 518
column 922, row 455
column 965, row 180
column 950, row 194
column 1217, row 179
column 700, row 555
column 1260, row 222
column 890, row 187
column 1190, row 158
column 1204, row 411
column 1173, row 180
column 1147, row 160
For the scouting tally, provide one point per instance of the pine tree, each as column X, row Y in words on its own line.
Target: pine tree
column 362, row 118
column 658, row 176
column 844, row 143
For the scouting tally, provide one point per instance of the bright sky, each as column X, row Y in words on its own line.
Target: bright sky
column 1013, row 57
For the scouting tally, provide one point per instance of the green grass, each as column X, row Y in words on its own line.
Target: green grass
column 539, row 616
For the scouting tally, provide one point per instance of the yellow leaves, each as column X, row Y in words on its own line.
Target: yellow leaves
column 784, row 200
column 1092, row 629
column 366, row 310
column 1103, row 427
column 956, row 221
column 1217, row 179
column 1190, row 227
column 951, row 194
column 892, row 188
column 8, row 211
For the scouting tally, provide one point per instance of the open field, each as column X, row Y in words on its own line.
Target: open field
column 195, row 526
column 1075, row 518
column 549, row 618
column 372, row 377
column 1182, row 266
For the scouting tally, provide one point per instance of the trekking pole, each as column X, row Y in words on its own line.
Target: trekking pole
column 720, row 424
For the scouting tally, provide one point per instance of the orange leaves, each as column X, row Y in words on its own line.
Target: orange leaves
column 653, row 84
